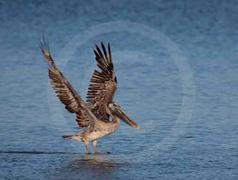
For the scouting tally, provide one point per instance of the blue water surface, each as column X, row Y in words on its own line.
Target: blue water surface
column 177, row 68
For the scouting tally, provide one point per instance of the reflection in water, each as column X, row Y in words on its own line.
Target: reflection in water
column 96, row 162
column 99, row 166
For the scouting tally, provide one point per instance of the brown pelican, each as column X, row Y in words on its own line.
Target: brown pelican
column 99, row 115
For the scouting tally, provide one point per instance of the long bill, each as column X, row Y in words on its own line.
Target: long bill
column 122, row 115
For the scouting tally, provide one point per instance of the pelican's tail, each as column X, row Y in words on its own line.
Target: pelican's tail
column 74, row 137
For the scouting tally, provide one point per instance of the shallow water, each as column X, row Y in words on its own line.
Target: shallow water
column 177, row 70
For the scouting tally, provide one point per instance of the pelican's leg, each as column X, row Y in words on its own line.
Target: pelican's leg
column 95, row 146
column 87, row 147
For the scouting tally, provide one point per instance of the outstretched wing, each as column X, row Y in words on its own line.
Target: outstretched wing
column 66, row 93
column 103, row 83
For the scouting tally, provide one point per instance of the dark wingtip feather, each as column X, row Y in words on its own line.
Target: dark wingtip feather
column 45, row 49
column 104, row 57
column 44, row 43
column 99, row 51
column 104, row 51
column 109, row 52
column 95, row 52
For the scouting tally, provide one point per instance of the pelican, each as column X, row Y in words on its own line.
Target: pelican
column 99, row 115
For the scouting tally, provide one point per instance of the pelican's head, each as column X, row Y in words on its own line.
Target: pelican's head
column 116, row 110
